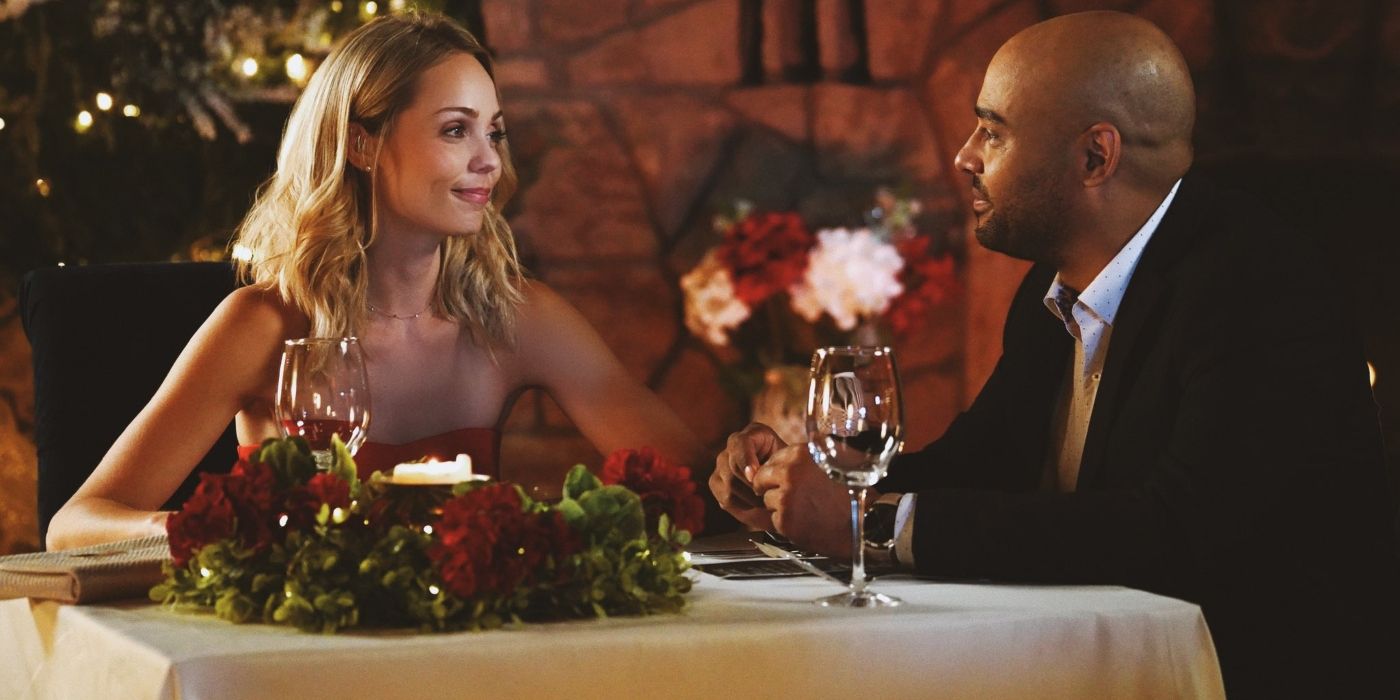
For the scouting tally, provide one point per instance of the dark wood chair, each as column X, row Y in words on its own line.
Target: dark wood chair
column 104, row 337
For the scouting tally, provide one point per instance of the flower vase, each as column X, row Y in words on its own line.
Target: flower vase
column 781, row 403
column 866, row 334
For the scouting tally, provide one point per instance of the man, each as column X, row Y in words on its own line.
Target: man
column 1181, row 404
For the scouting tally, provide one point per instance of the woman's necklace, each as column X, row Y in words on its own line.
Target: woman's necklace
column 397, row 317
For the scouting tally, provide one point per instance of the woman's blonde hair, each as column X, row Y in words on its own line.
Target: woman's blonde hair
column 308, row 231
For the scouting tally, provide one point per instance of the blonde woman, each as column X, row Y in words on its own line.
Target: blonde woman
column 383, row 221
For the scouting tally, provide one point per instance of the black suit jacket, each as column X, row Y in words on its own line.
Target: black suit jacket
column 1233, row 457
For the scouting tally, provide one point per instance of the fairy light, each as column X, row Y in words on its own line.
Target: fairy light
column 427, row 529
column 296, row 68
column 241, row 252
column 2, row 123
column 396, row 5
column 371, row 8
column 337, row 6
column 1372, row 369
column 131, row 111
column 248, row 66
column 433, row 590
column 103, row 101
column 43, row 187
column 83, row 122
column 203, row 570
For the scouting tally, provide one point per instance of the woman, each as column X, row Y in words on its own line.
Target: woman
column 383, row 221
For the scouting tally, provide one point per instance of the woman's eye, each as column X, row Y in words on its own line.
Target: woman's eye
column 455, row 130
column 497, row 136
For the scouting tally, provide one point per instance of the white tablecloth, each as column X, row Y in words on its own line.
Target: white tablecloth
column 737, row 639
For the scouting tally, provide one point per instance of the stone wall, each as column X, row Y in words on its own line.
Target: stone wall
column 634, row 121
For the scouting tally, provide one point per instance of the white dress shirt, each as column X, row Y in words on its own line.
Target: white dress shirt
column 1090, row 322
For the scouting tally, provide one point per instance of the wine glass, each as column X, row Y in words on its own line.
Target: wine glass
column 854, row 427
column 323, row 390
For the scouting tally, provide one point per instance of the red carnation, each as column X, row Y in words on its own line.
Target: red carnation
column 251, row 488
column 664, row 486
column 487, row 544
column 766, row 253
column 927, row 280
column 329, row 489
column 205, row 518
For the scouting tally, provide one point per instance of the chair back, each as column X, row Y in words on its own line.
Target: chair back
column 104, row 338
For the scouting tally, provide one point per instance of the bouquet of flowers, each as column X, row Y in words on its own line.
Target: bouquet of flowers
column 277, row 541
column 773, row 290
column 853, row 276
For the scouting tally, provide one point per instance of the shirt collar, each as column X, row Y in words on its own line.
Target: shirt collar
column 1105, row 292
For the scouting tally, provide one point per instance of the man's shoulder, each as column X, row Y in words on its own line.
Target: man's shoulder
column 1233, row 237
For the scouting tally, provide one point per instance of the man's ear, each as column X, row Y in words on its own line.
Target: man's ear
column 360, row 147
column 1102, row 147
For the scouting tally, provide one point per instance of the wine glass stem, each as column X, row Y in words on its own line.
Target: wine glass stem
column 857, row 539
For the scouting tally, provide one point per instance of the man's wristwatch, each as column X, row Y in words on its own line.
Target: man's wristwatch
column 879, row 531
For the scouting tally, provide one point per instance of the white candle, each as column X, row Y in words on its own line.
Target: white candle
column 433, row 472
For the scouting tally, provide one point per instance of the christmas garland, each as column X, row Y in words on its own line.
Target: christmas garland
column 276, row 541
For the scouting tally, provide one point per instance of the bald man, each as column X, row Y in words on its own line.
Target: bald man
column 1181, row 404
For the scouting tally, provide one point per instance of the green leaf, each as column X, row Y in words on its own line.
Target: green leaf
column 580, row 481
column 573, row 514
column 290, row 458
column 343, row 464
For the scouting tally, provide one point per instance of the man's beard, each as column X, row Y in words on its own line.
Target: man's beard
column 1031, row 229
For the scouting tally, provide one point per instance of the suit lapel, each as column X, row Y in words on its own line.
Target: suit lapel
column 1175, row 235
column 1044, row 349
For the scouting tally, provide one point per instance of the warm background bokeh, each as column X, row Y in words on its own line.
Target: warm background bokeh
column 634, row 121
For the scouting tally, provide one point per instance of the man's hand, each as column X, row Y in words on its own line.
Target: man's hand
column 805, row 505
column 732, row 479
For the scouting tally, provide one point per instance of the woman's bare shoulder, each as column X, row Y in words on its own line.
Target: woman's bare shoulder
column 544, row 314
column 261, row 313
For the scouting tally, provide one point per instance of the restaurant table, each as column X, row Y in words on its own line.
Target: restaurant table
column 745, row 638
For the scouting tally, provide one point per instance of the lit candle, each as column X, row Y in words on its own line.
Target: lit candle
column 433, row 472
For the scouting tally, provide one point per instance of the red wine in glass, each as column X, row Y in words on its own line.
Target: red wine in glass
column 323, row 390
column 318, row 431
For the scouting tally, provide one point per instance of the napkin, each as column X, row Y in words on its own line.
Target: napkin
column 124, row 569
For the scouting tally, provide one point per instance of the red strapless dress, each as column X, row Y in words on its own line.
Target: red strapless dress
column 483, row 444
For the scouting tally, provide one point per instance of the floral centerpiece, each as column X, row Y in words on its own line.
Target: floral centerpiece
column 276, row 541
column 773, row 290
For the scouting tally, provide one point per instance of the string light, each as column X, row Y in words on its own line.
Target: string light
column 337, row 6
column 241, row 252
column 2, row 123
column 1372, row 370
column 131, row 111
column 371, row 8
column 296, row 68
column 248, row 66
column 104, row 101
column 83, row 122
column 43, row 187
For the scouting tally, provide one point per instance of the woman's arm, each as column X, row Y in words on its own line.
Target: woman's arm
column 229, row 359
column 560, row 351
